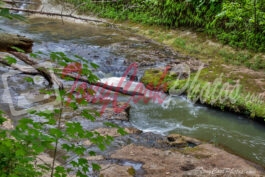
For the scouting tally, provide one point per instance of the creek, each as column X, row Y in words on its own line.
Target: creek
column 113, row 50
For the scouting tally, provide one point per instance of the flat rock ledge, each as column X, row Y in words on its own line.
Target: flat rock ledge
column 202, row 160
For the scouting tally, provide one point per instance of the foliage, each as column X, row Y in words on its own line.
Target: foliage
column 4, row 12
column 16, row 157
column 239, row 23
column 19, row 148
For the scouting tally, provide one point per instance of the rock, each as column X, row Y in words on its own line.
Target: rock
column 132, row 130
column 8, row 41
column 158, row 162
column 180, row 71
column 120, row 112
column 114, row 133
column 87, row 143
column 113, row 170
column 177, row 140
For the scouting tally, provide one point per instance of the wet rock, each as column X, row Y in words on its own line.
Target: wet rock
column 119, row 112
column 177, row 140
column 149, row 139
column 114, row 133
column 113, row 170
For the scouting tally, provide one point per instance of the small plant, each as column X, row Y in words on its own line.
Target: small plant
column 20, row 148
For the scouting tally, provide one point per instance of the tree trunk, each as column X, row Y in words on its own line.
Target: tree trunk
column 7, row 41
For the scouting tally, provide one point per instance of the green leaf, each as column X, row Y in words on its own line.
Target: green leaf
column 2, row 119
column 94, row 65
column 60, row 171
column 29, row 79
column 81, row 58
column 10, row 60
column 5, row 13
column 73, row 105
column 67, row 78
column 109, row 124
column 62, row 63
column 55, row 132
column 92, row 153
column 122, row 132
column 18, row 49
column 20, row 152
column 87, row 115
column 32, row 111
column 95, row 167
column 66, row 147
column 34, row 55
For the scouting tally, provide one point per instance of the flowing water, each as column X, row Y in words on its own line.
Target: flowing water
column 112, row 49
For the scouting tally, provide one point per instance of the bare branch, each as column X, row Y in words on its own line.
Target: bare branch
column 17, row 2
column 57, row 14
column 22, row 68
column 50, row 77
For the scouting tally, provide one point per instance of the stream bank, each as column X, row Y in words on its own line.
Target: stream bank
column 141, row 154
column 219, row 62
column 148, row 138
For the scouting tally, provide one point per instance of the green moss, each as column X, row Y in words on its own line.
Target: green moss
column 217, row 93
column 152, row 77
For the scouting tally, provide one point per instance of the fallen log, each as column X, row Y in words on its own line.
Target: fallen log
column 32, row 69
column 17, row 2
column 57, row 14
column 24, row 69
column 7, row 41
column 52, row 78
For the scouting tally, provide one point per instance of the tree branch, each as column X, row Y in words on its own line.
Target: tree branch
column 50, row 77
column 53, row 79
column 23, row 69
column 16, row 2
column 11, row 40
column 55, row 14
